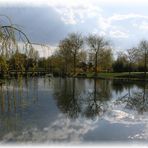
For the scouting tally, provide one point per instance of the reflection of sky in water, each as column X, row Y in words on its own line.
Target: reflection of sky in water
column 76, row 131
column 63, row 129
column 49, row 118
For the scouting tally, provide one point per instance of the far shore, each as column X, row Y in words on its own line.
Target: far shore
column 133, row 76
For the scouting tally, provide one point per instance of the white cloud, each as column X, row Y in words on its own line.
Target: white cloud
column 69, row 2
column 120, row 17
column 71, row 11
column 43, row 50
column 103, row 19
column 119, row 25
column 118, row 34
column 143, row 26
column 107, row 22
column 104, row 23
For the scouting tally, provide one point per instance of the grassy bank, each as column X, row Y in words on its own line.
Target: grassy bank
column 101, row 75
column 123, row 75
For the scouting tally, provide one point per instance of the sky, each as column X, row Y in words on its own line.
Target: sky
column 123, row 22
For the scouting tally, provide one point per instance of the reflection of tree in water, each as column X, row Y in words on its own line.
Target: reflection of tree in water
column 67, row 98
column 74, row 102
column 2, row 99
column 15, row 98
column 120, row 85
column 136, row 100
column 95, row 101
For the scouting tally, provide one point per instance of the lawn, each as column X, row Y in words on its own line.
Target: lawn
column 134, row 75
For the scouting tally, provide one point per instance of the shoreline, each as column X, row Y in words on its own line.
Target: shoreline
column 135, row 76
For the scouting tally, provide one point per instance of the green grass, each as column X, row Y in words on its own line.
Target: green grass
column 134, row 75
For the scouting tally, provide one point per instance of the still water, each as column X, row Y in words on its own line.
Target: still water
column 58, row 110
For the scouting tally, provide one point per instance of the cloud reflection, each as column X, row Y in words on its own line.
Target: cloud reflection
column 61, row 130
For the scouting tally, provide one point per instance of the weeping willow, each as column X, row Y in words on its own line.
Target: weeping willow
column 16, row 50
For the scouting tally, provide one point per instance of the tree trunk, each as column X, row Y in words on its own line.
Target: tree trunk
column 96, row 63
column 74, row 63
column 145, row 66
column 129, row 70
column 66, row 61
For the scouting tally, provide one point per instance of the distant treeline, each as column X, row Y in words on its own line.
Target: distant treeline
column 94, row 54
column 75, row 54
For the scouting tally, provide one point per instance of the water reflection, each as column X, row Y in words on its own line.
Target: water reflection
column 95, row 100
column 67, row 98
column 119, row 86
column 61, row 130
column 15, row 95
column 89, row 99
column 136, row 100
column 69, row 109
column 15, row 100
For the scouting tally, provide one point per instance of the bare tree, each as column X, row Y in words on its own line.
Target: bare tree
column 96, row 43
column 143, row 51
column 65, row 54
column 74, row 43
column 131, row 56
column 13, row 41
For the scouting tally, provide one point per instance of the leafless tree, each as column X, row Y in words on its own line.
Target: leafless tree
column 74, row 43
column 131, row 56
column 143, row 51
column 96, row 44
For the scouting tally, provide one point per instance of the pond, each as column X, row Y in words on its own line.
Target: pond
column 68, row 110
